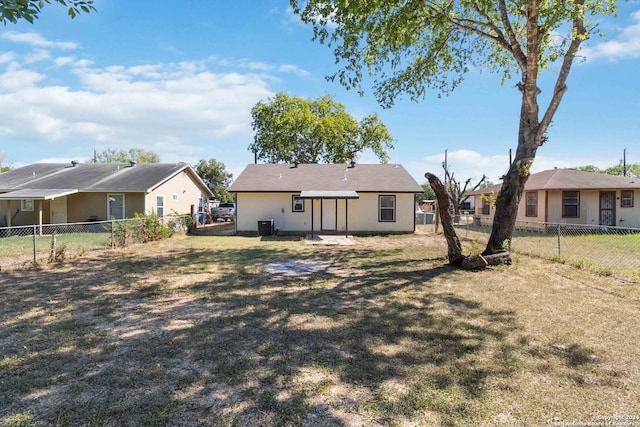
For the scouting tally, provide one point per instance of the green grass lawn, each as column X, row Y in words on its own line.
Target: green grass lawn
column 222, row 331
column 608, row 254
column 21, row 247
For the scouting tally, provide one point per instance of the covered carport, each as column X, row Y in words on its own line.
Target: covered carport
column 37, row 195
column 345, row 195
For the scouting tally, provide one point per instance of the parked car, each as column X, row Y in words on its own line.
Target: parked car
column 226, row 211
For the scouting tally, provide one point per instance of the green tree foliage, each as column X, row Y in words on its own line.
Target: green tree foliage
column 215, row 175
column 412, row 46
column 29, row 10
column 428, row 193
column 631, row 169
column 3, row 168
column 124, row 156
column 290, row 129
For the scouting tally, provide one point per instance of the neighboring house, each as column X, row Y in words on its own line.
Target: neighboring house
column 56, row 193
column 570, row 196
column 326, row 198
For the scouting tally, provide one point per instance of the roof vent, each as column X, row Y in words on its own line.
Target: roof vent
column 74, row 163
column 133, row 163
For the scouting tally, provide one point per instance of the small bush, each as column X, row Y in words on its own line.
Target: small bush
column 153, row 228
column 122, row 233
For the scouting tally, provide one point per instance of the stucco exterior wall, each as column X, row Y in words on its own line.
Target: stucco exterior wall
column 628, row 217
column 186, row 193
column 362, row 213
column 550, row 209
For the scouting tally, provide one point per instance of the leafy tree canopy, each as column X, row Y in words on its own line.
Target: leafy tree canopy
column 409, row 47
column 29, row 10
column 290, row 129
column 631, row 169
column 428, row 193
column 124, row 156
column 214, row 174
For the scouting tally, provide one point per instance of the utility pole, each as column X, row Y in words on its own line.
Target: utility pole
column 624, row 162
column 445, row 166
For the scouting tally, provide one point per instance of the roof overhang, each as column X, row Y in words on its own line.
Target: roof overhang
column 32, row 194
column 314, row 194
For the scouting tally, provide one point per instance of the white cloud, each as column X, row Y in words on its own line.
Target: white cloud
column 471, row 164
column 160, row 106
column 289, row 68
column 36, row 40
column 37, row 55
column 14, row 78
column 625, row 46
column 63, row 60
column 463, row 163
column 7, row 57
column 255, row 65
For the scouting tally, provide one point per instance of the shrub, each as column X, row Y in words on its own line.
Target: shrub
column 153, row 228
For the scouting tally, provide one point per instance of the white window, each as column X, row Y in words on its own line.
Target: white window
column 297, row 204
column 115, row 206
column 26, row 205
column 386, row 208
column 627, row 199
column 174, row 197
column 160, row 206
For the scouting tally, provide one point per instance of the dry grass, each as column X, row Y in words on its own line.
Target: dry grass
column 197, row 331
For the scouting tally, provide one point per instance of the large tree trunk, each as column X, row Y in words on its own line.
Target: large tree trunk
column 513, row 183
column 532, row 129
column 454, row 248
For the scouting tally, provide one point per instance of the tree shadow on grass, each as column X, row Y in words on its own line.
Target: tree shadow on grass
column 203, row 337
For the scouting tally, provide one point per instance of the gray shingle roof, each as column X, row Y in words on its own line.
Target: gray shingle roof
column 92, row 177
column 570, row 179
column 325, row 177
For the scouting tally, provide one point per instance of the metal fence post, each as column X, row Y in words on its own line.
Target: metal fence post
column 559, row 253
column 35, row 233
column 113, row 242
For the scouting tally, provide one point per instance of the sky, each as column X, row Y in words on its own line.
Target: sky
column 181, row 82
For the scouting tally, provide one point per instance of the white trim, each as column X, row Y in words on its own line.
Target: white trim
column 124, row 210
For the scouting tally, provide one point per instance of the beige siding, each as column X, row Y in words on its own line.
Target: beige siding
column 550, row 209
column 82, row 206
column 362, row 213
column 629, row 216
column 183, row 187
column 541, row 212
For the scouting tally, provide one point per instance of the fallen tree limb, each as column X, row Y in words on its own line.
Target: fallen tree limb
column 480, row 262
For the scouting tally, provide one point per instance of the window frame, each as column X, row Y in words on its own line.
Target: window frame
column 27, row 205
column 485, row 209
column 109, row 210
column 531, row 209
column 623, row 198
column 297, row 200
column 174, row 197
column 565, row 205
column 382, row 208
column 160, row 197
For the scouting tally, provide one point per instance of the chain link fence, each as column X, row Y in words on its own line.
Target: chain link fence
column 613, row 251
column 31, row 244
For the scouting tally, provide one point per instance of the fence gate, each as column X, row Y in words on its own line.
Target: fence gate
column 608, row 208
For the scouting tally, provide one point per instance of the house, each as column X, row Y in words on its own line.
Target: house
column 58, row 193
column 570, row 196
column 326, row 198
